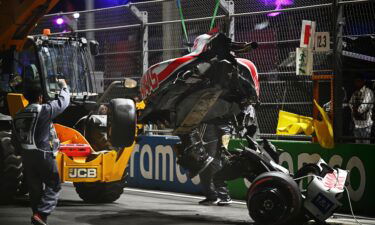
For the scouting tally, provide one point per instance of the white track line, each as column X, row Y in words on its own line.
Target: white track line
column 172, row 194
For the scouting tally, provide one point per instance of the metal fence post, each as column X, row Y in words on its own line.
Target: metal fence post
column 169, row 14
column 228, row 7
column 90, row 23
column 337, row 25
column 143, row 18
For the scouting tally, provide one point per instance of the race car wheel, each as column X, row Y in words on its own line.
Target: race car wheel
column 99, row 192
column 274, row 199
column 121, row 122
column 11, row 169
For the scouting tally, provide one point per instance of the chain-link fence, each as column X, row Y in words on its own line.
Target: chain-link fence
column 134, row 36
column 358, row 70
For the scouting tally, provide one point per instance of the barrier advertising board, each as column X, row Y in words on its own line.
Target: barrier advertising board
column 153, row 166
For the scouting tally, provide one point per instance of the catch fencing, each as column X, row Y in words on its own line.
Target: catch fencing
column 135, row 36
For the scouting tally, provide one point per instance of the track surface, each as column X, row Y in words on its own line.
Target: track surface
column 140, row 207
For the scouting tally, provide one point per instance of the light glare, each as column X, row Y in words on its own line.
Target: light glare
column 279, row 5
column 59, row 21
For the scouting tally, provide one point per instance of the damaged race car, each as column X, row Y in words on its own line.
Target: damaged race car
column 276, row 196
column 212, row 83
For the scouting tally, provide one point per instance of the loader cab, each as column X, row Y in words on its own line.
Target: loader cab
column 69, row 59
column 45, row 59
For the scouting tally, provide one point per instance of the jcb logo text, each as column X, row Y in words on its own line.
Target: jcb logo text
column 82, row 173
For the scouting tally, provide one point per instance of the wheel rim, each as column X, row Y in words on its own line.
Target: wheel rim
column 268, row 206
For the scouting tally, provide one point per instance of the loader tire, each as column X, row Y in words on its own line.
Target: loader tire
column 11, row 169
column 122, row 122
column 99, row 192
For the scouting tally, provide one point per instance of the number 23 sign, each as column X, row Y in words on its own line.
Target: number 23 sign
column 322, row 41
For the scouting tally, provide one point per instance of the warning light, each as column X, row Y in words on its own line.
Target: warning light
column 46, row 32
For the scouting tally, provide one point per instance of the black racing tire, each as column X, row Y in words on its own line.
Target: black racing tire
column 122, row 122
column 99, row 192
column 11, row 169
column 274, row 199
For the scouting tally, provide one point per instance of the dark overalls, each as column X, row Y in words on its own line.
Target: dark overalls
column 212, row 137
column 36, row 136
column 213, row 179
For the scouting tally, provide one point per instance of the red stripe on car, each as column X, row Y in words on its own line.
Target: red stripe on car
column 253, row 71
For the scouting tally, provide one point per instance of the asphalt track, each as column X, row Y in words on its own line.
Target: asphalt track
column 141, row 207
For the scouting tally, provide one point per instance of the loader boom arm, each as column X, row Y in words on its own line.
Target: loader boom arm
column 18, row 18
